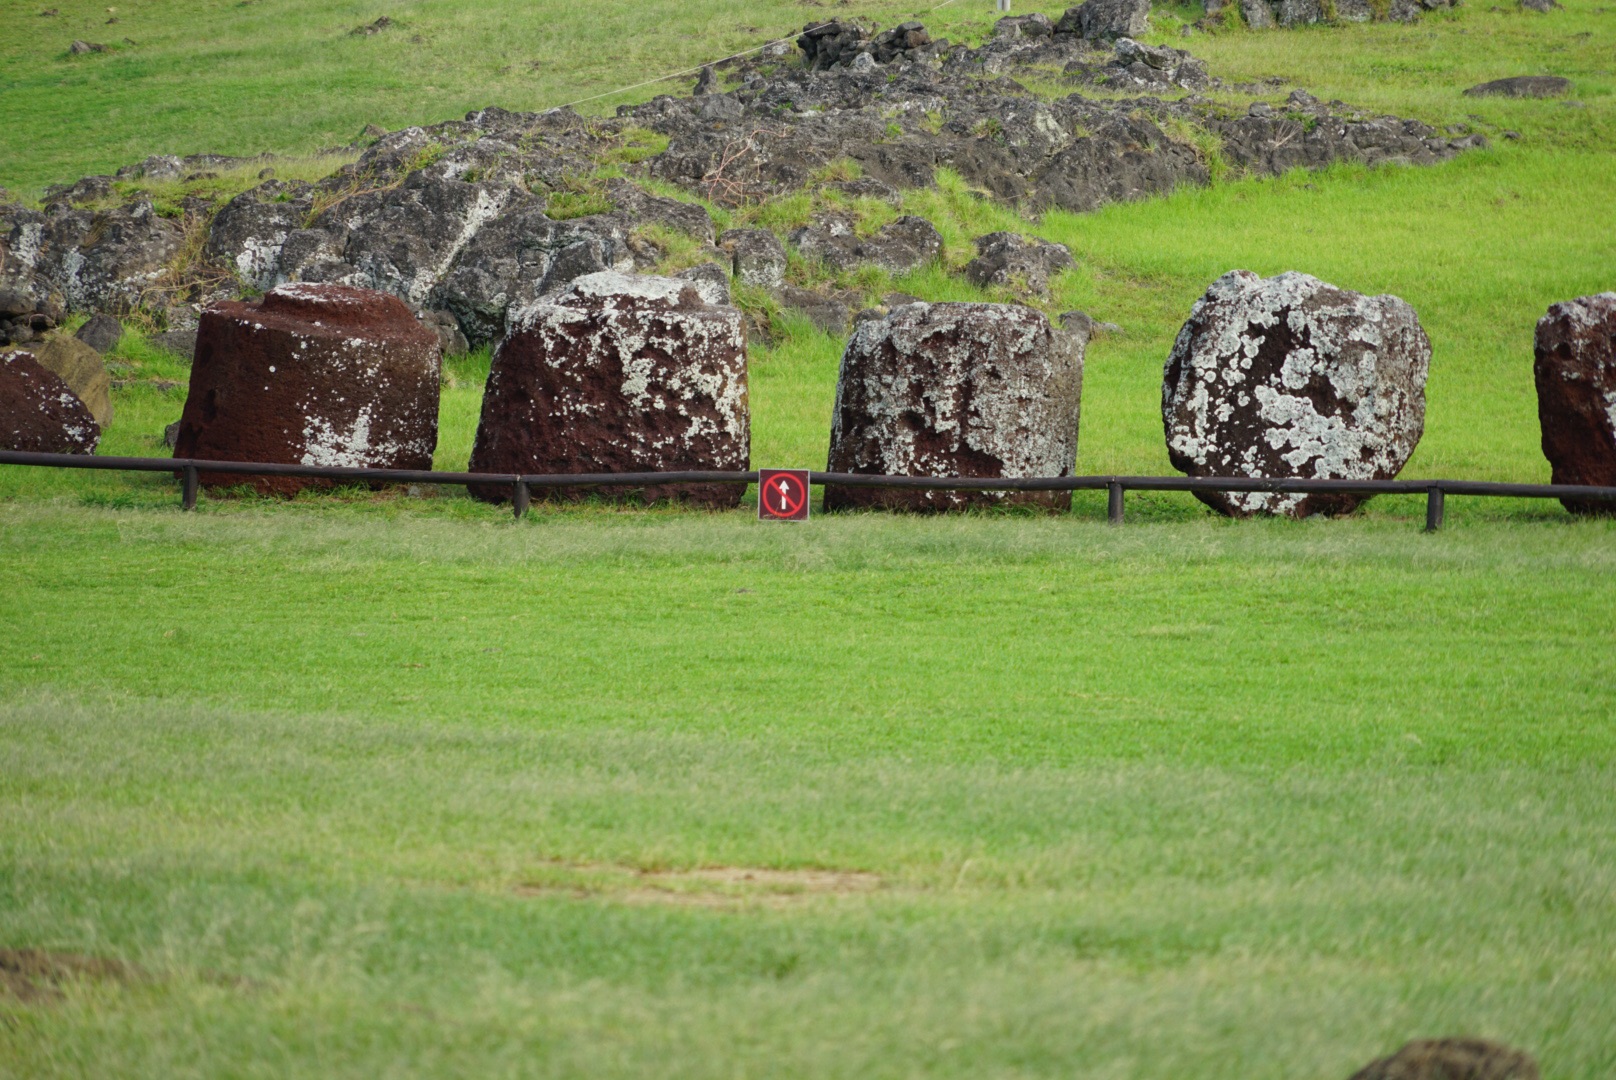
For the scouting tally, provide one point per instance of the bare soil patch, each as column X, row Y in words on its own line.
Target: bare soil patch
column 37, row 975
column 715, row 887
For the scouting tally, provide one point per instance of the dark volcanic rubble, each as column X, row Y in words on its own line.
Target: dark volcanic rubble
column 469, row 219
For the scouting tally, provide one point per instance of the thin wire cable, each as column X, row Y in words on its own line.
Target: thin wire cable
column 710, row 63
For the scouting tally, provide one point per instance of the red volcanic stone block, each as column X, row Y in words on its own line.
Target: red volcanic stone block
column 1576, row 394
column 312, row 375
column 39, row 413
column 617, row 374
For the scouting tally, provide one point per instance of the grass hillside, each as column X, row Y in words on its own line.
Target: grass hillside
column 380, row 785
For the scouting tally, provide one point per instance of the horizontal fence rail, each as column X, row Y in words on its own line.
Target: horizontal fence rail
column 522, row 485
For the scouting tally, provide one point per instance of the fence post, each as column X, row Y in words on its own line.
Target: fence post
column 520, row 498
column 1113, row 507
column 1434, row 508
column 188, row 490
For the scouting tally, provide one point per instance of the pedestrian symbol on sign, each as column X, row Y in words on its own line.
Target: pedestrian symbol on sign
column 782, row 494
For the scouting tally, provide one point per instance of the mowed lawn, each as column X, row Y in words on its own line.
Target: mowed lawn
column 383, row 785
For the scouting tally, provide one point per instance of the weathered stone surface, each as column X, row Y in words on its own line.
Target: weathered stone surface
column 619, row 374
column 899, row 246
column 1452, row 1059
column 1522, row 86
column 711, row 281
column 182, row 343
column 1105, row 19
column 828, row 311
column 522, row 256
column 1010, row 260
column 451, row 342
column 759, row 257
column 1575, row 368
column 101, row 333
column 314, row 375
column 957, row 390
column 80, row 367
column 1291, row 377
column 1542, row 6
column 39, row 414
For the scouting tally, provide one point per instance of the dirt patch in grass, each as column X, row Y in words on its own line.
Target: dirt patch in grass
column 36, row 975
column 716, row 887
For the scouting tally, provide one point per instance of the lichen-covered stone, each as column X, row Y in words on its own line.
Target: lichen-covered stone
column 758, row 257
column 899, row 246
column 1575, row 369
column 39, row 413
column 618, row 374
column 957, row 390
column 1452, row 1059
column 315, row 375
column 1100, row 19
column 1291, row 377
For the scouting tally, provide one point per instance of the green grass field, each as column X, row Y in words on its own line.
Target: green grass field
column 380, row 785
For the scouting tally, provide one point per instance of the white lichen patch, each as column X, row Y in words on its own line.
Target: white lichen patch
column 1291, row 377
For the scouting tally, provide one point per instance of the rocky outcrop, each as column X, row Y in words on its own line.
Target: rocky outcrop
column 482, row 215
column 1021, row 263
column 1575, row 370
column 1452, row 1059
column 80, row 367
column 1099, row 20
column 1291, row 377
column 757, row 257
column 619, row 374
column 39, row 414
column 1523, row 86
column 898, row 247
column 955, row 389
column 315, row 375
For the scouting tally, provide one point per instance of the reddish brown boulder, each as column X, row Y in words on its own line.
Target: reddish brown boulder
column 312, row 375
column 39, row 413
column 1576, row 394
column 1452, row 1059
column 619, row 373
column 957, row 390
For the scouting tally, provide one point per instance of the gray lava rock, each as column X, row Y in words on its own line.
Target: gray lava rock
column 711, row 281
column 1522, row 86
column 619, row 374
column 109, row 260
column 182, row 343
column 900, row 246
column 101, row 333
column 39, row 413
column 829, row 312
column 1575, row 369
column 1291, row 377
column 451, row 342
column 1452, row 1059
column 1010, row 260
column 826, row 45
column 520, row 257
column 1105, row 19
column 956, row 390
column 759, row 257
column 314, row 375
column 1542, row 6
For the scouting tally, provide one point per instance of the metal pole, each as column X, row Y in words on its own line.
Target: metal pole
column 1113, row 506
column 1004, row 5
column 520, row 498
column 1434, row 508
column 188, row 491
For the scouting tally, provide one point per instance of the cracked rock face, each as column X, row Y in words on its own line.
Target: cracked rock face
column 1575, row 367
column 619, row 374
column 39, row 413
column 314, row 375
column 1011, row 260
column 957, row 390
column 1291, row 377
column 903, row 245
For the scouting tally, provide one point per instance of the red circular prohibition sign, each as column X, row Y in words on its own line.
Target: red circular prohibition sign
column 774, row 495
